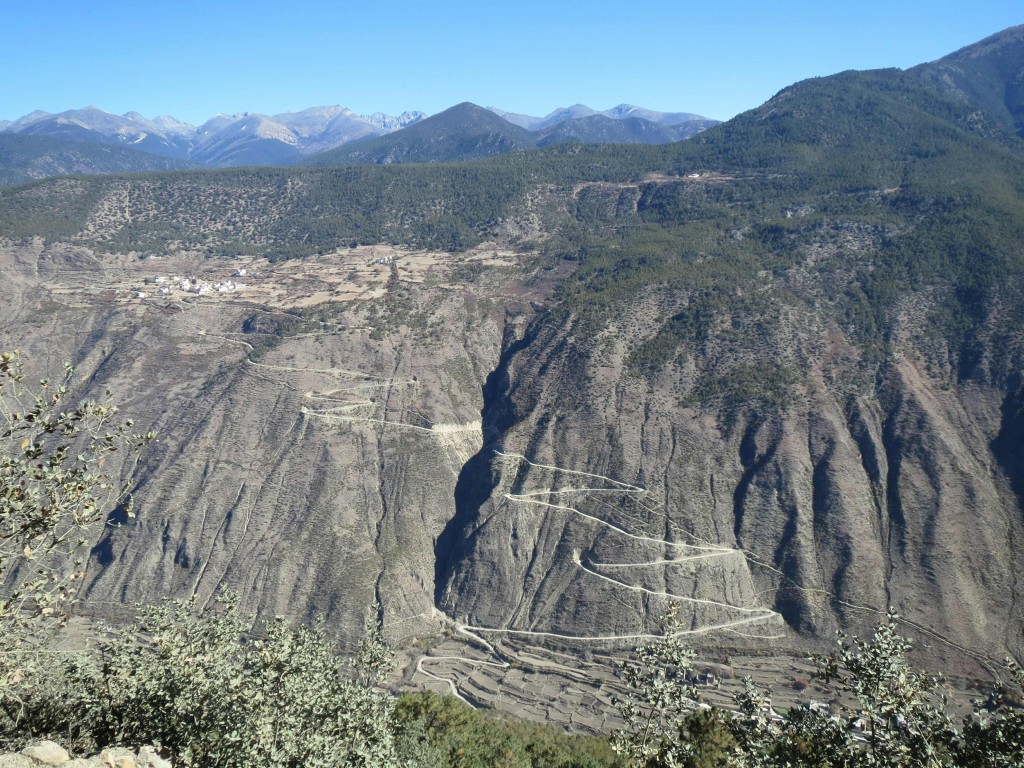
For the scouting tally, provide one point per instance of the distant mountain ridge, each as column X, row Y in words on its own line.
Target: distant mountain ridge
column 468, row 132
column 246, row 138
column 578, row 111
column 600, row 129
column 462, row 132
column 250, row 138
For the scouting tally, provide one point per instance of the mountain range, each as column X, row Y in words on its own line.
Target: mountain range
column 241, row 139
column 577, row 111
column 771, row 375
column 468, row 132
column 283, row 139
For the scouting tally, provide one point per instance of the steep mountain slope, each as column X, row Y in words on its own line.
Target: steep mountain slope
column 988, row 74
column 598, row 129
column 820, row 319
column 771, row 373
column 290, row 400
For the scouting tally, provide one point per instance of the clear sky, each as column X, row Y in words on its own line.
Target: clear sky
column 195, row 58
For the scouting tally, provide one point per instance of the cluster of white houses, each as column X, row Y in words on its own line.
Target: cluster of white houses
column 166, row 285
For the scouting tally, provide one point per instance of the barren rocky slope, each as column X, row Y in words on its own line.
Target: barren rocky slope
column 819, row 516
column 312, row 475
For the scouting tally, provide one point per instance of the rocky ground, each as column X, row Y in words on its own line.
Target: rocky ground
column 49, row 753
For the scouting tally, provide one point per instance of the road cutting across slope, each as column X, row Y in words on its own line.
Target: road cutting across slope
column 592, row 486
column 684, row 553
column 674, row 598
column 619, row 637
column 452, row 687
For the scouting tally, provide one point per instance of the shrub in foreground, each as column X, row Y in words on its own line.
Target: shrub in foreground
column 897, row 717
column 189, row 683
column 53, row 489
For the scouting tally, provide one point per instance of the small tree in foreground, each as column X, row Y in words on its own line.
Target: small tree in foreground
column 993, row 735
column 193, row 688
column 664, row 724
column 901, row 713
column 52, row 490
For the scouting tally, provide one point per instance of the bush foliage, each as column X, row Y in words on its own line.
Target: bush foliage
column 52, row 491
column 198, row 686
column 888, row 716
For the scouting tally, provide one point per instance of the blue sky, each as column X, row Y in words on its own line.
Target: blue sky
column 192, row 59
